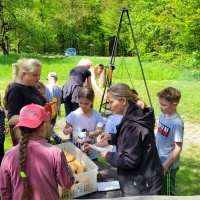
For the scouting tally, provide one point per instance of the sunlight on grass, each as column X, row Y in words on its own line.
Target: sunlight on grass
column 189, row 172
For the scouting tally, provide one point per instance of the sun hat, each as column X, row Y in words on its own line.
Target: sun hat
column 31, row 116
column 52, row 74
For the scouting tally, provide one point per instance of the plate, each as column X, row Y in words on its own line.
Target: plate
column 98, row 148
column 106, row 186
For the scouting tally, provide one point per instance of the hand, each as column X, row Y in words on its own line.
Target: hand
column 6, row 131
column 97, row 132
column 68, row 130
column 85, row 147
column 105, row 137
column 103, row 154
column 165, row 167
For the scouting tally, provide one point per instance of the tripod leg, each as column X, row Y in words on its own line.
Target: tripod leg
column 112, row 60
column 139, row 60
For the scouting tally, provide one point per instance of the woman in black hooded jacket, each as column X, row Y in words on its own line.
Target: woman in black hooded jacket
column 139, row 168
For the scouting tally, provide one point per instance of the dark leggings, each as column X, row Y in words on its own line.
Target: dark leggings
column 69, row 107
column 169, row 184
column 1, row 152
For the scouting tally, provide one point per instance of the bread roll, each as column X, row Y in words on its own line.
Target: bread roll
column 69, row 157
column 80, row 169
column 76, row 162
column 76, row 166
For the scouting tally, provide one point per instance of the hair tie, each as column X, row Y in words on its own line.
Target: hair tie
column 23, row 174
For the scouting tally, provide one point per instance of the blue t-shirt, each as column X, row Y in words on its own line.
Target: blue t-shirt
column 53, row 91
column 169, row 132
column 111, row 123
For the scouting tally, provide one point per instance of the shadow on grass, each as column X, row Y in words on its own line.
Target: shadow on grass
column 188, row 176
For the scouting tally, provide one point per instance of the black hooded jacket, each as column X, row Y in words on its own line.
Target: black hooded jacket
column 139, row 168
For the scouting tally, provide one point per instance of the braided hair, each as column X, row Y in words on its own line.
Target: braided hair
column 26, row 134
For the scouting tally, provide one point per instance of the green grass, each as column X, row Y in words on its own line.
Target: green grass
column 158, row 76
column 188, row 175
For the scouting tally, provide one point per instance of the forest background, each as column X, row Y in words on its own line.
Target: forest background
column 164, row 29
column 167, row 33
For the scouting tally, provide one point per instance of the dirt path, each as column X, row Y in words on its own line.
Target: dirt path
column 191, row 133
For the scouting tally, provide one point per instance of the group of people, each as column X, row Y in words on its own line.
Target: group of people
column 146, row 162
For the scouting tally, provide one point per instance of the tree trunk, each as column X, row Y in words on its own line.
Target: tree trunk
column 3, row 48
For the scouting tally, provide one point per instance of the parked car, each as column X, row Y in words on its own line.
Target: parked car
column 70, row 52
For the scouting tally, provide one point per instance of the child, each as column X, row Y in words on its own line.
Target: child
column 3, row 131
column 55, row 91
column 33, row 168
column 169, row 138
column 83, row 121
column 96, row 72
column 50, row 106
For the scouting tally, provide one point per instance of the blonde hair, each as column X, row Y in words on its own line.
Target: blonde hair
column 96, row 67
column 120, row 90
column 85, row 62
column 25, row 65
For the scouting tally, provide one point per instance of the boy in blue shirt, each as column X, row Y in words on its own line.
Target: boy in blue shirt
column 169, row 138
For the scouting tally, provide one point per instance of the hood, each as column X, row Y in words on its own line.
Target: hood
column 144, row 117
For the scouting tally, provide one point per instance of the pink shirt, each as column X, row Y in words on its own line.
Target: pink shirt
column 46, row 168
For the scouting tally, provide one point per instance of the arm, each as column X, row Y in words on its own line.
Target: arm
column 89, row 82
column 14, row 120
column 129, row 148
column 59, row 105
column 5, row 182
column 86, row 146
column 68, row 129
column 15, row 103
column 95, row 86
column 173, row 156
column 65, row 176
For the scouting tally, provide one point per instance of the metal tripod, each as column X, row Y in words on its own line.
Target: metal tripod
column 112, row 61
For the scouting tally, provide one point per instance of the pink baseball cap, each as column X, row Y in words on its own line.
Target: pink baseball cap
column 31, row 116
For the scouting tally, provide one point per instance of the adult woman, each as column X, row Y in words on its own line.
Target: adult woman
column 23, row 91
column 139, row 168
column 97, row 72
column 34, row 168
column 77, row 76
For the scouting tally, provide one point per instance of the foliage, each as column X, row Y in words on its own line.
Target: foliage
column 164, row 30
